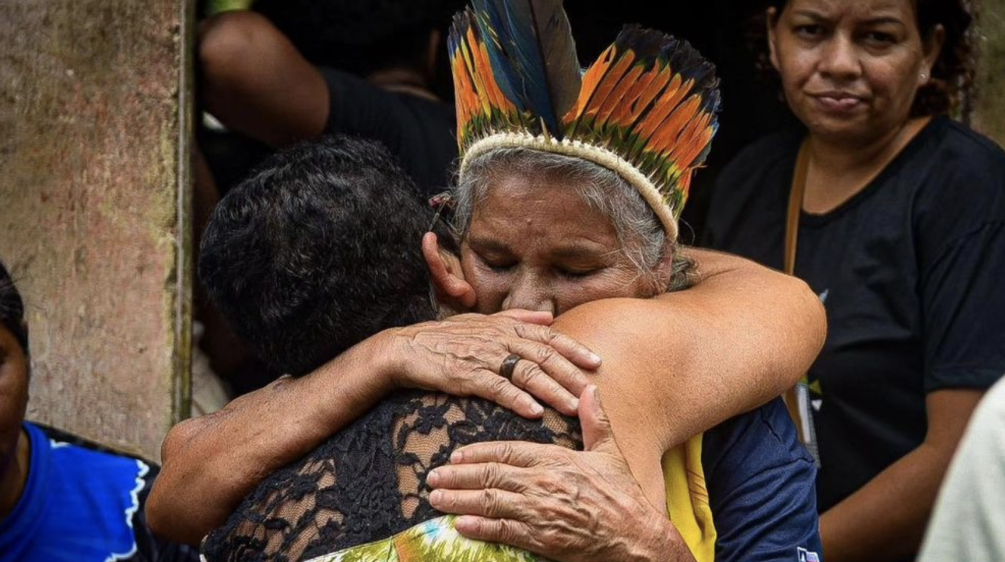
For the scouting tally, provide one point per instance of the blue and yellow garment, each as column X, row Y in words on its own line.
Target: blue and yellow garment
column 436, row 540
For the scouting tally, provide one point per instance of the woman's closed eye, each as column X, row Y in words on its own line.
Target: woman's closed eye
column 576, row 273
column 497, row 264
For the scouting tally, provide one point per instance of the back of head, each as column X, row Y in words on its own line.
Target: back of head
column 359, row 36
column 317, row 250
column 12, row 308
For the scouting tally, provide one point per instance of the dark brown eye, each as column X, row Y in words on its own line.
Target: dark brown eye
column 808, row 31
column 880, row 38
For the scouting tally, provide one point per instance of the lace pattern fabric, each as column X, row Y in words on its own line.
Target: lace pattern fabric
column 368, row 482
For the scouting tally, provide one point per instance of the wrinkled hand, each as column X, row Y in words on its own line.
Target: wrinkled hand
column 463, row 356
column 562, row 504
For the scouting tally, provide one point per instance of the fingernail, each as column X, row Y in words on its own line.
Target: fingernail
column 574, row 404
column 456, row 457
column 435, row 497
column 433, row 479
column 536, row 409
column 594, row 357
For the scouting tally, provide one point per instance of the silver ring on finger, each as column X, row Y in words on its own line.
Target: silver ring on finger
column 508, row 366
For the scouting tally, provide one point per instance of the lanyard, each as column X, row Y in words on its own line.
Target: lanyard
column 792, row 402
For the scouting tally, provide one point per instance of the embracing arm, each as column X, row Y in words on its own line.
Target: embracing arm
column 673, row 367
column 212, row 462
column 695, row 358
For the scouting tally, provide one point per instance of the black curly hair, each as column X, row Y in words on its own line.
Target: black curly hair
column 359, row 36
column 12, row 308
column 317, row 250
column 953, row 74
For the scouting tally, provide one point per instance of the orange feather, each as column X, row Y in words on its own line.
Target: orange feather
column 590, row 82
column 608, row 82
column 632, row 106
column 618, row 95
column 664, row 105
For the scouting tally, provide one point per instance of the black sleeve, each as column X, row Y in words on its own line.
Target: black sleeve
column 961, row 246
column 359, row 108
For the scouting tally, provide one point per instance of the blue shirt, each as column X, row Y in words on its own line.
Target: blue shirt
column 761, row 488
column 82, row 503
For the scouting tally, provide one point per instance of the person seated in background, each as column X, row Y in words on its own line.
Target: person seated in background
column 968, row 517
column 301, row 304
column 290, row 70
column 63, row 497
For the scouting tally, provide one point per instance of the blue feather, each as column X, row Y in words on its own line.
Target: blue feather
column 516, row 40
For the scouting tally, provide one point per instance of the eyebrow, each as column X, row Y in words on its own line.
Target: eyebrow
column 576, row 251
column 886, row 20
column 820, row 17
column 488, row 245
column 572, row 250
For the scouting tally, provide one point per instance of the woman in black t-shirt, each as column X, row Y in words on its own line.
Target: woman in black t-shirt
column 897, row 221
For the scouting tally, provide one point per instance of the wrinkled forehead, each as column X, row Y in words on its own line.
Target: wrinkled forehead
column 539, row 202
column 857, row 10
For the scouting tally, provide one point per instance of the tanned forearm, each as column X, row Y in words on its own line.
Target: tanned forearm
column 210, row 463
column 886, row 518
column 692, row 359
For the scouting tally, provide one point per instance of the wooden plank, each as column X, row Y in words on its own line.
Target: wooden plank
column 989, row 112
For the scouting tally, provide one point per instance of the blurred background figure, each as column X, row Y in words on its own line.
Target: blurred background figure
column 62, row 497
column 899, row 215
column 969, row 517
column 286, row 71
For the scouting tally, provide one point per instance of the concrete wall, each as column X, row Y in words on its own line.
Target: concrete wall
column 93, row 207
column 989, row 114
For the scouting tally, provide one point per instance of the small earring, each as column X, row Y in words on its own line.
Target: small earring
column 923, row 76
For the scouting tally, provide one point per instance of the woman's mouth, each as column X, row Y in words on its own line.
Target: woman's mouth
column 837, row 102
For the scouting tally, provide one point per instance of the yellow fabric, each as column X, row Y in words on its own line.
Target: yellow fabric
column 436, row 540
column 687, row 498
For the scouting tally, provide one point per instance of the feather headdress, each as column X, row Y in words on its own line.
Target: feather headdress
column 646, row 108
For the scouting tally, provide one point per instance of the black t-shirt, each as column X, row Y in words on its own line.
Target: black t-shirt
column 419, row 132
column 909, row 272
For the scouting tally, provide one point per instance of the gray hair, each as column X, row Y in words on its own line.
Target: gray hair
column 642, row 238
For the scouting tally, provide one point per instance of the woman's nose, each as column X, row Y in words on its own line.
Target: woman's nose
column 529, row 293
column 840, row 59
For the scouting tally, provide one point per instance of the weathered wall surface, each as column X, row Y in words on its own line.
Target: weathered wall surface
column 989, row 114
column 92, row 122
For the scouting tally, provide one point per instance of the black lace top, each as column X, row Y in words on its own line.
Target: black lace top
column 368, row 482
